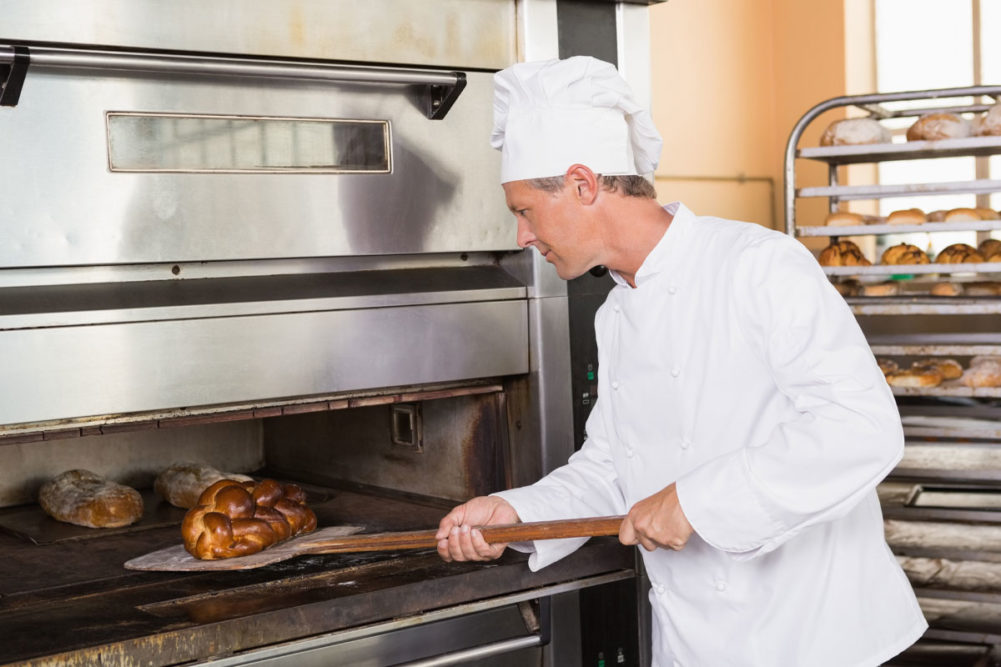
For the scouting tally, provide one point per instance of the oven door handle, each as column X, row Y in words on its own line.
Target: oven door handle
column 441, row 88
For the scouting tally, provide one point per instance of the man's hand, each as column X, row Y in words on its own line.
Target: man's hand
column 456, row 538
column 657, row 522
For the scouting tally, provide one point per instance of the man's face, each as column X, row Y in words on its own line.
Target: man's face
column 550, row 223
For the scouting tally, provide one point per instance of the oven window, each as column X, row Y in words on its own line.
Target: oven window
column 154, row 142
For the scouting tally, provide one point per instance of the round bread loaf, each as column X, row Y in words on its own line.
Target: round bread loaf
column 936, row 126
column 849, row 287
column 949, row 368
column 937, row 216
column 989, row 247
column 915, row 378
column 959, row 253
column 888, row 366
column 844, row 219
column 983, row 372
column 84, row 498
column 854, row 131
column 240, row 518
column 908, row 216
column 963, row 215
column 989, row 124
column 987, row 213
column 842, row 253
column 947, row 289
column 904, row 253
column 182, row 483
column 888, row 288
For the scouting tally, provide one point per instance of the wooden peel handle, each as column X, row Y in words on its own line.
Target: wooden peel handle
column 513, row 532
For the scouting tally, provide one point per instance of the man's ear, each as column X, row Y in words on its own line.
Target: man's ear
column 583, row 184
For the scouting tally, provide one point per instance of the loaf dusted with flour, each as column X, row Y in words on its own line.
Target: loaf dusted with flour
column 183, row 483
column 84, row 498
column 240, row 518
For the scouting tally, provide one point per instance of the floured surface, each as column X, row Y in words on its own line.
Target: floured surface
column 176, row 559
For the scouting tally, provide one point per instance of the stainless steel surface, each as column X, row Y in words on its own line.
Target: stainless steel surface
column 477, row 653
column 54, row 373
column 847, row 192
column 295, row 653
column 466, row 33
column 441, row 197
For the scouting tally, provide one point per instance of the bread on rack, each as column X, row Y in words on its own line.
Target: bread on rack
column 984, row 371
column 963, row 215
column 949, row 368
column 915, row 378
column 182, row 483
column 936, row 126
column 982, row 288
column 959, row 253
column 989, row 124
column 843, row 253
column 850, row 287
column 84, row 498
column 844, row 219
column 908, row 216
column 239, row 518
column 888, row 288
column 989, row 247
column 987, row 213
column 937, row 215
column 947, row 289
column 855, row 131
column 904, row 253
column 888, row 366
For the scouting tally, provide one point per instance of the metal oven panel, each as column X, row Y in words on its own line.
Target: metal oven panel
column 441, row 194
column 470, row 33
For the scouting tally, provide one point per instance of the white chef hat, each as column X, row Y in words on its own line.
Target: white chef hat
column 551, row 114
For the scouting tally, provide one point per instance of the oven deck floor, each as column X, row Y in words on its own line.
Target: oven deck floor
column 74, row 597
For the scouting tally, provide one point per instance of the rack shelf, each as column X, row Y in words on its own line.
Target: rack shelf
column 912, row 150
column 878, row 230
column 850, row 192
column 914, row 269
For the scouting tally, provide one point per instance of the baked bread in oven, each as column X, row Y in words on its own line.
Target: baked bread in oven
column 855, row 131
column 84, row 498
column 949, row 368
column 915, row 377
column 936, row 126
column 904, row 253
column 183, row 483
column 240, row 518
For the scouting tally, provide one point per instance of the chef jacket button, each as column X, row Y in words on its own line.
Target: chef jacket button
column 616, row 308
column 658, row 589
column 686, row 443
column 615, row 384
column 675, row 372
column 673, row 289
column 629, row 452
column 721, row 585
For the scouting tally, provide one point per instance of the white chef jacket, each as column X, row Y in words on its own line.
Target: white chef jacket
column 736, row 370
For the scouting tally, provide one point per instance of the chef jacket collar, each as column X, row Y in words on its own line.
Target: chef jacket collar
column 659, row 258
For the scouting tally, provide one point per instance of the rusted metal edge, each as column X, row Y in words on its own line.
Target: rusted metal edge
column 102, row 425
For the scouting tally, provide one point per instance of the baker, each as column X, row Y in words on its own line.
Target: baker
column 743, row 423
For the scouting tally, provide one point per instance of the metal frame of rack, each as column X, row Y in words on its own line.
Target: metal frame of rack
column 953, row 432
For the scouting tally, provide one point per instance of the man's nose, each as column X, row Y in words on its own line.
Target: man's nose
column 525, row 235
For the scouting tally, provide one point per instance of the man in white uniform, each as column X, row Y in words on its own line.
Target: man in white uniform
column 743, row 423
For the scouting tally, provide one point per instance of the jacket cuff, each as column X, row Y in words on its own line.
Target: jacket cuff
column 525, row 501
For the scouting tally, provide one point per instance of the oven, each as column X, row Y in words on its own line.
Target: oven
column 272, row 241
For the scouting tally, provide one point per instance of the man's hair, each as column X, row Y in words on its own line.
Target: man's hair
column 630, row 186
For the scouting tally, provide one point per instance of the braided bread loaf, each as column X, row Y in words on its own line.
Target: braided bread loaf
column 842, row 253
column 904, row 253
column 239, row 518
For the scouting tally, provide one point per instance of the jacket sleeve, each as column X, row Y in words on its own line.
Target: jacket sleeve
column 585, row 487
column 846, row 435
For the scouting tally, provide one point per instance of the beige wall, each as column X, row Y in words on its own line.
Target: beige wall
column 730, row 79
